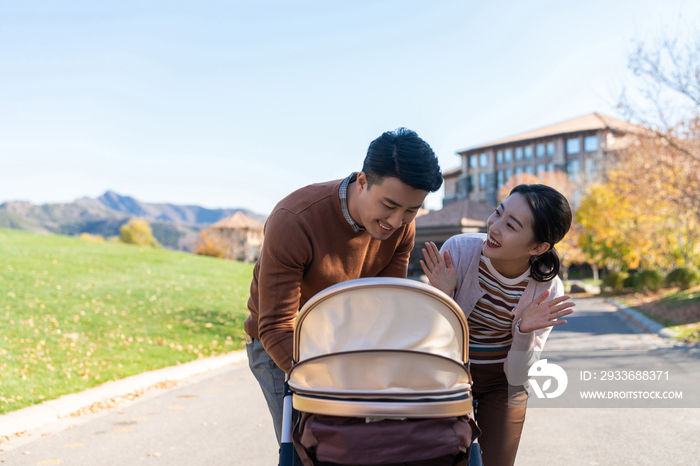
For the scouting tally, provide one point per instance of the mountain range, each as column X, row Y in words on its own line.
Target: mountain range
column 174, row 226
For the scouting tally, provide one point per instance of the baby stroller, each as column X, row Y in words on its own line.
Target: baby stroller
column 379, row 376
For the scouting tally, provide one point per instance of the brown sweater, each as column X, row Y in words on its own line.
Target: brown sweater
column 308, row 247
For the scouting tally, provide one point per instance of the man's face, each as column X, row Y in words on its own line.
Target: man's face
column 385, row 206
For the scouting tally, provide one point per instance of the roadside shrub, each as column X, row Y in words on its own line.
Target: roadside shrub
column 211, row 244
column 89, row 237
column 683, row 278
column 629, row 281
column 615, row 281
column 137, row 231
column 648, row 280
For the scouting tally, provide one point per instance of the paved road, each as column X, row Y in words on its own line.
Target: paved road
column 595, row 337
column 220, row 418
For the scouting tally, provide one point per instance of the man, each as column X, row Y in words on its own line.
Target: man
column 329, row 233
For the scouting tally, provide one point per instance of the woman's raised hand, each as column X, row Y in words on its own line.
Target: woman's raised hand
column 541, row 314
column 439, row 270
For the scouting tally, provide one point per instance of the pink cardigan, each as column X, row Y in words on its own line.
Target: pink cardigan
column 465, row 250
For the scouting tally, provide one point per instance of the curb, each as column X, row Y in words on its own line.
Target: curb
column 49, row 411
column 640, row 321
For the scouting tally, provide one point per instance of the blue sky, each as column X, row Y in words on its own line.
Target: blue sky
column 236, row 104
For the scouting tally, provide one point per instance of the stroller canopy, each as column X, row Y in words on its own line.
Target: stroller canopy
column 381, row 313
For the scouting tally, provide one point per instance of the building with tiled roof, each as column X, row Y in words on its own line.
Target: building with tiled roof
column 463, row 216
column 238, row 221
column 577, row 147
column 239, row 237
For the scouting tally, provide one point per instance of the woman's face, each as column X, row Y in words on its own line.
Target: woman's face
column 511, row 239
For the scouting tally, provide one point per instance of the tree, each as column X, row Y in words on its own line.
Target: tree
column 633, row 231
column 513, row 181
column 91, row 237
column 605, row 237
column 137, row 231
column 555, row 179
column 664, row 158
column 212, row 244
column 659, row 168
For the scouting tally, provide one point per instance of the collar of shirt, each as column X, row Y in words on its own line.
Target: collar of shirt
column 343, row 192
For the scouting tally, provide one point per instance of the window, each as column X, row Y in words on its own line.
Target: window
column 501, row 181
column 573, row 168
column 539, row 151
column 518, row 153
column 550, row 167
column 528, row 152
column 573, row 146
column 591, row 168
column 508, row 174
column 518, row 170
column 499, row 156
column 590, row 144
column 472, row 161
column 541, row 168
column 483, row 160
column 482, row 180
column 507, row 155
column 550, row 149
column 528, row 169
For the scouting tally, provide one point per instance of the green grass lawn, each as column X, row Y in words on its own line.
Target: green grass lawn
column 75, row 314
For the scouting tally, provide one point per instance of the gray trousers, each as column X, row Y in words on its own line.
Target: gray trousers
column 271, row 380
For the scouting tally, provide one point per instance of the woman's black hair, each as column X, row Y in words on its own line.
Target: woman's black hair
column 551, row 222
column 402, row 154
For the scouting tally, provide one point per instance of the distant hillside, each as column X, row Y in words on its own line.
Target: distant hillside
column 189, row 214
column 175, row 226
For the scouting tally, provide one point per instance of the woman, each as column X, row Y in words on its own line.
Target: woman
column 506, row 283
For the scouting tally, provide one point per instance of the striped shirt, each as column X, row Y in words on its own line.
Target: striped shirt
column 491, row 321
column 343, row 192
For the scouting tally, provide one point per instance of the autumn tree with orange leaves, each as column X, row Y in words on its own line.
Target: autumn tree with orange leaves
column 647, row 214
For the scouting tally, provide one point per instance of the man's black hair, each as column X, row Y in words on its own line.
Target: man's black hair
column 402, row 154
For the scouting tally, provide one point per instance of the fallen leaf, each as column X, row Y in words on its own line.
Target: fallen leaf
column 74, row 445
column 154, row 454
column 49, row 462
column 142, row 418
column 218, row 390
column 120, row 431
column 176, row 407
column 27, row 452
column 187, row 397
